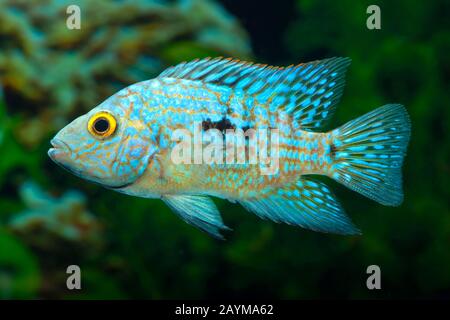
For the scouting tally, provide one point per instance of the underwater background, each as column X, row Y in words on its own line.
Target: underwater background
column 128, row 247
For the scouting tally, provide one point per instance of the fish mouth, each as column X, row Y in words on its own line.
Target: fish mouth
column 122, row 186
column 60, row 148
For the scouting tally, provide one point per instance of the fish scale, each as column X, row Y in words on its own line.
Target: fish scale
column 300, row 154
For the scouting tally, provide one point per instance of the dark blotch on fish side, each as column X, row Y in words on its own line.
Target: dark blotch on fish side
column 222, row 125
column 332, row 150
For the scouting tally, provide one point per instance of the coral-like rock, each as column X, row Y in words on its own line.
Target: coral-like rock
column 50, row 221
column 51, row 73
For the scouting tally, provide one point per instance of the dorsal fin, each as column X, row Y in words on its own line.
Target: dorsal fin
column 308, row 91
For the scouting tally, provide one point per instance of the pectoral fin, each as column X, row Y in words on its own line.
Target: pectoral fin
column 199, row 211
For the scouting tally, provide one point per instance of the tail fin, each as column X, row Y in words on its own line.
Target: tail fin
column 368, row 153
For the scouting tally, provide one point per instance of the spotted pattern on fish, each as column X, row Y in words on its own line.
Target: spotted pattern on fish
column 365, row 154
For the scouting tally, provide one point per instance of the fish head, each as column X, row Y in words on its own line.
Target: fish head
column 109, row 145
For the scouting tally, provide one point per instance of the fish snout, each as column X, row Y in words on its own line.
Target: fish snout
column 60, row 149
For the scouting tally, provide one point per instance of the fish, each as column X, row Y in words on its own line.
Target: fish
column 127, row 143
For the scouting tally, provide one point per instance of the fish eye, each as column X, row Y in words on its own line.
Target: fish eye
column 102, row 125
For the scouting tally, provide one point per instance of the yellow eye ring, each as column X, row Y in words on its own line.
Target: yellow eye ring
column 102, row 125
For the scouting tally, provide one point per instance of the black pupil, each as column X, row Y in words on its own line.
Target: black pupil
column 101, row 125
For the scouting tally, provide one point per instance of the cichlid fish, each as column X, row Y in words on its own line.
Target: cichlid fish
column 126, row 143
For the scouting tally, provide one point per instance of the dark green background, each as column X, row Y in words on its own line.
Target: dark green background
column 148, row 252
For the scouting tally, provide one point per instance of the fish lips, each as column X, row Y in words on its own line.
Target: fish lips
column 60, row 153
column 60, row 149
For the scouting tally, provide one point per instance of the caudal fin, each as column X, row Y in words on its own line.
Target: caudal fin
column 368, row 153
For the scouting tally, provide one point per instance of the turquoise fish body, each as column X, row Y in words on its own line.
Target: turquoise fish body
column 222, row 96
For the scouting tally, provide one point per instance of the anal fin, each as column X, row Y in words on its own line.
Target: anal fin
column 305, row 203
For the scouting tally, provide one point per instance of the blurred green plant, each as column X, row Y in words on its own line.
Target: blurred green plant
column 19, row 271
